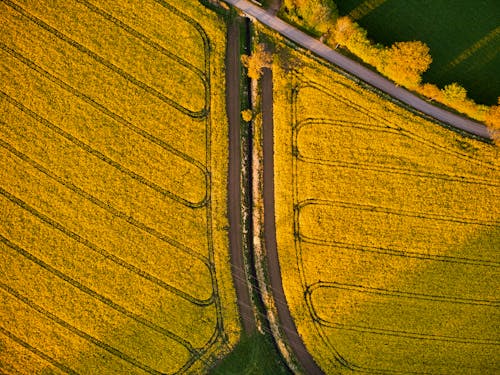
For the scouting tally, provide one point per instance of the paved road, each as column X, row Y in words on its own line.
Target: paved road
column 359, row 70
column 304, row 357
column 234, row 196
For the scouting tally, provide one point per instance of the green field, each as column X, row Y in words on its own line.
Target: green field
column 388, row 231
column 463, row 37
column 254, row 355
column 113, row 161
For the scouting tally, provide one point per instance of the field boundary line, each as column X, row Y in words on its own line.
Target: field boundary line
column 219, row 332
column 380, row 209
column 129, row 219
column 219, row 337
column 336, row 358
column 365, row 8
column 37, row 352
column 52, row 223
column 374, row 167
column 199, row 28
column 396, row 293
column 101, row 108
column 97, row 296
column 106, row 63
column 85, row 336
column 100, row 155
column 468, row 52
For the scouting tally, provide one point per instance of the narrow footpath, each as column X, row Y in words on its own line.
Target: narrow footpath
column 285, row 319
column 358, row 70
column 233, row 77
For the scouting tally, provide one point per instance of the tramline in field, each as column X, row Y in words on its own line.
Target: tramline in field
column 388, row 239
column 114, row 253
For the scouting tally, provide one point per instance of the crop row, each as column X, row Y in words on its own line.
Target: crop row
column 101, row 85
column 104, row 253
column 360, row 117
column 98, row 154
column 357, row 157
column 103, row 205
column 193, row 109
column 109, row 208
column 27, row 307
column 104, row 110
column 366, row 238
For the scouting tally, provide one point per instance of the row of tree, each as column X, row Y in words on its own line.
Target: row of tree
column 403, row 62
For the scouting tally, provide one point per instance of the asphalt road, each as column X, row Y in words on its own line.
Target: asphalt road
column 359, row 70
column 233, row 76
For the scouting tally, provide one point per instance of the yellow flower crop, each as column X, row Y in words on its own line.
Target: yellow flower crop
column 113, row 163
column 388, row 239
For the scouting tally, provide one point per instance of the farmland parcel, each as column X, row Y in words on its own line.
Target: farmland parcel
column 388, row 230
column 114, row 257
column 463, row 36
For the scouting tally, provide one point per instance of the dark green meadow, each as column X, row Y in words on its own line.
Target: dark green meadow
column 463, row 35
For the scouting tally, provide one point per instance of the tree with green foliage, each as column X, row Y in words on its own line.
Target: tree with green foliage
column 405, row 62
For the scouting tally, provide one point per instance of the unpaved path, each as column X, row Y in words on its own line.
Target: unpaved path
column 359, row 70
column 233, row 76
column 285, row 319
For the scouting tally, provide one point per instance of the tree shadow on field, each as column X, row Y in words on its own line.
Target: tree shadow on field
column 437, row 315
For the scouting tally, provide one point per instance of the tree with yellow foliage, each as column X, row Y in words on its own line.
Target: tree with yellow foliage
column 431, row 91
column 257, row 61
column 342, row 32
column 315, row 15
column 247, row 115
column 493, row 122
column 454, row 93
column 405, row 62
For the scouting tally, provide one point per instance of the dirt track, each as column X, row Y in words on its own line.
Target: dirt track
column 234, row 195
column 234, row 203
column 273, row 266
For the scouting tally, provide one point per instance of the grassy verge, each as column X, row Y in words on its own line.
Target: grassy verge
column 254, row 355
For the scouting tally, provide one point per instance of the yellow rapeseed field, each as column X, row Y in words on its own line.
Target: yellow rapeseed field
column 389, row 237
column 113, row 160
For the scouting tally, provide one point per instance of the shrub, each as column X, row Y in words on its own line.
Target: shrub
column 405, row 62
column 257, row 61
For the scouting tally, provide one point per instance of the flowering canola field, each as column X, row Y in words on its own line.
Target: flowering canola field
column 388, row 229
column 113, row 252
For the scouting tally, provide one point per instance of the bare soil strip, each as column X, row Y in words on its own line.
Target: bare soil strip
column 234, row 194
